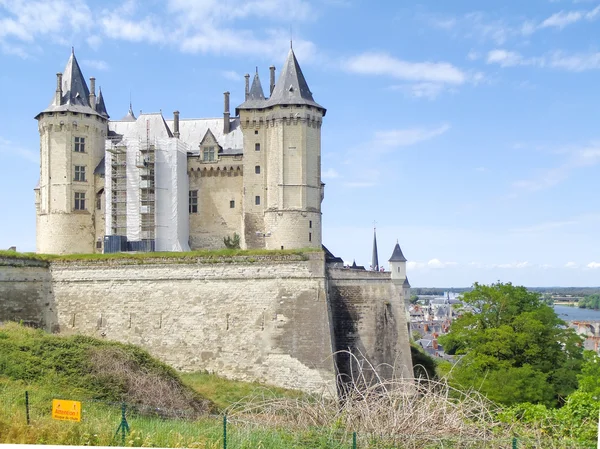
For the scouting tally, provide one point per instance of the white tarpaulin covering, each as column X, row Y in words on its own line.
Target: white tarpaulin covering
column 141, row 139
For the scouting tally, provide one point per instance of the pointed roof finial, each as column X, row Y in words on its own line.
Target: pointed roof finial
column 72, row 50
column 291, row 39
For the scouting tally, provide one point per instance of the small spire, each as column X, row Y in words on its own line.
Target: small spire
column 72, row 50
column 375, row 260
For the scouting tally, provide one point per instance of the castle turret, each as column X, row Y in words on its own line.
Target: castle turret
column 398, row 271
column 282, row 163
column 398, row 265
column 72, row 132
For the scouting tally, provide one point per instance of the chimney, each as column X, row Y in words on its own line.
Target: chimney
column 226, row 123
column 59, row 92
column 176, row 124
column 272, row 70
column 93, row 92
column 247, row 76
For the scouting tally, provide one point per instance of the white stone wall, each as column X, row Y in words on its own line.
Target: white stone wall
column 263, row 320
column 217, row 184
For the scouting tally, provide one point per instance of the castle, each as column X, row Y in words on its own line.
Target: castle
column 149, row 184
column 145, row 183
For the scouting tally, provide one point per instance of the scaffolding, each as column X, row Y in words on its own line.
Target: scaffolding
column 146, row 163
column 118, row 178
column 147, row 194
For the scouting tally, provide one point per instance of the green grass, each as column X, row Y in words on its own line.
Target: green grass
column 211, row 256
column 224, row 392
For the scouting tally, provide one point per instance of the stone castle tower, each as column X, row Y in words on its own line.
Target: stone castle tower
column 72, row 133
column 257, row 174
column 282, row 144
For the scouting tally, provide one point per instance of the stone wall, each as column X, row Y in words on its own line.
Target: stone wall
column 262, row 320
column 26, row 293
column 367, row 313
column 275, row 319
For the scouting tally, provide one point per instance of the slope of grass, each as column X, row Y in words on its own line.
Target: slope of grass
column 93, row 369
column 225, row 393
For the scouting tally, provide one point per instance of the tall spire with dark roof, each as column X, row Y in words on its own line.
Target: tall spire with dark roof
column 291, row 87
column 74, row 95
column 256, row 96
column 256, row 91
column 74, row 87
column 100, row 106
column 375, row 260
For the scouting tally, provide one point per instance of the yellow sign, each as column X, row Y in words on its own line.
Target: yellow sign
column 66, row 410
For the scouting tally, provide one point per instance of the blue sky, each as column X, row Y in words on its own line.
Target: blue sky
column 467, row 130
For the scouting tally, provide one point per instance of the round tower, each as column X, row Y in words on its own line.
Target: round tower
column 282, row 145
column 72, row 134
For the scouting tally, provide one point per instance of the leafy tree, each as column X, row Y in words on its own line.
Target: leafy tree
column 590, row 302
column 414, row 299
column 513, row 348
column 232, row 243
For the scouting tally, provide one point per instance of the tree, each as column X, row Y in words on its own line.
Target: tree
column 232, row 243
column 414, row 299
column 514, row 348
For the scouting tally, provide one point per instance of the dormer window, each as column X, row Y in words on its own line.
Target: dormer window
column 208, row 154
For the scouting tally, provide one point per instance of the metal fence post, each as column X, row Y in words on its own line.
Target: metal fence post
column 353, row 440
column 27, row 406
column 224, row 431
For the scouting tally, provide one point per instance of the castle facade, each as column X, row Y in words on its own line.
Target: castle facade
column 147, row 183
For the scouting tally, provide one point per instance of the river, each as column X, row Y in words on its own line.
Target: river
column 567, row 313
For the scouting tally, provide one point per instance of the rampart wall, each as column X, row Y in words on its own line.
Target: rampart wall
column 369, row 321
column 248, row 318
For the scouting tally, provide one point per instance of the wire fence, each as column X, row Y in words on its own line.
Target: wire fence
column 26, row 417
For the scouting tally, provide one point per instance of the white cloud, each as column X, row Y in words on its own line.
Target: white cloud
column 27, row 20
column 96, row 64
column 330, row 173
column 426, row 90
column 231, row 75
column 504, row 58
column 225, row 10
column 514, row 265
column 586, row 156
column 379, row 63
column 593, row 265
column 94, row 42
column 10, row 148
column 434, row 264
column 562, row 19
column 406, row 137
column 576, row 62
column 571, row 265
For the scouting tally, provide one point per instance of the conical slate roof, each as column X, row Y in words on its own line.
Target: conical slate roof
column 256, row 96
column 75, row 93
column 291, row 87
column 100, row 106
column 397, row 255
column 406, row 284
